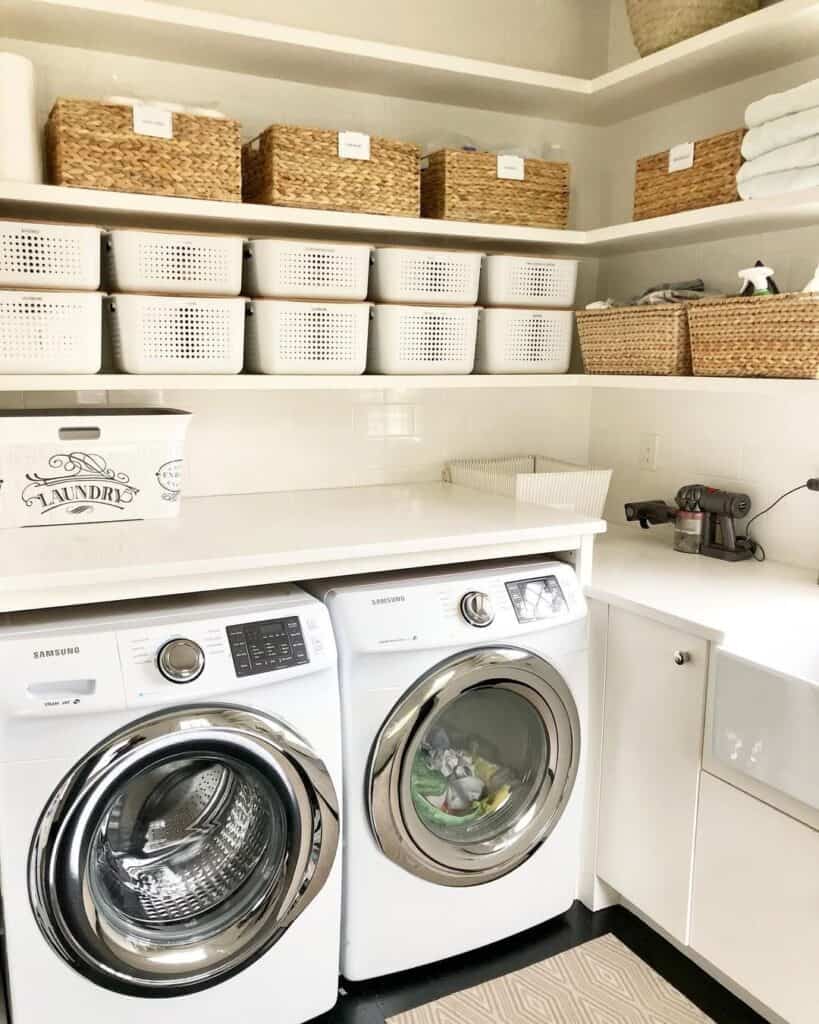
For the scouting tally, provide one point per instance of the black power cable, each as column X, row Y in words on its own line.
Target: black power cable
column 747, row 540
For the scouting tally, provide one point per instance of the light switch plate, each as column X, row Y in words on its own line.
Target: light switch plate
column 649, row 451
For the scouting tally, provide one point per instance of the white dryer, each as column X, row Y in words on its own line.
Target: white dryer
column 464, row 702
column 168, row 780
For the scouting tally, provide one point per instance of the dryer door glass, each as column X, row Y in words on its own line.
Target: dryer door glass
column 480, row 764
column 181, row 848
column 474, row 766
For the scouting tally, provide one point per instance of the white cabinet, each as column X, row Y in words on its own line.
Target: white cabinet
column 652, row 748
column 755, row 912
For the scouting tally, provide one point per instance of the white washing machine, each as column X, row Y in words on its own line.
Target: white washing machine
column 168, row 778
column 464, row 702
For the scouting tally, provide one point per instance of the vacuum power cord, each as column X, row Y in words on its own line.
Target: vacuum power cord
column 747, row 540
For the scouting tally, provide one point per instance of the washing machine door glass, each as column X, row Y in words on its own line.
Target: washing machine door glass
column 474, row 766
column 181, row 849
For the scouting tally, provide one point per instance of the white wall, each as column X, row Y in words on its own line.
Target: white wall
column 565, row 36
column 761, row 446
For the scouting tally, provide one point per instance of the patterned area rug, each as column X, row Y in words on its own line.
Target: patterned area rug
column 600, row 982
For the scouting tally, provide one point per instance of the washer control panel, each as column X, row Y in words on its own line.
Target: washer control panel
column 266, row 646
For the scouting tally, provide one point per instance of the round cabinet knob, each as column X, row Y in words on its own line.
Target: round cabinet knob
column 476, row 608
column 681, row 657
column 181, row 661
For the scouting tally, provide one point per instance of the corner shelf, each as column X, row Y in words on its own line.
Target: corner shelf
column 89, row 206
column 773, row 37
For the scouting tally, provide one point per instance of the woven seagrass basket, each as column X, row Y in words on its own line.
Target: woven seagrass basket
column 645, row 340
column 759, row 336
column 301, row 167
column 94, row 145
column 459, row 185
column 656, row 24
column 711, row 181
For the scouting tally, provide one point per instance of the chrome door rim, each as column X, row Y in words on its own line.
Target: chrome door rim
column 59, row 887
column 399, row 832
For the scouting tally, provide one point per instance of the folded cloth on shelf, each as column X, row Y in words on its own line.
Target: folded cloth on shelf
column 780, row 104
column 786, row 158
column 655, row 294
column 784, row 131
column 768, row 185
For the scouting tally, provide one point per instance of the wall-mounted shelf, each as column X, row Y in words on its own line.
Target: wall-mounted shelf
column 249, row 539
column 373, row 382
column 773, row 37
column 88, row 206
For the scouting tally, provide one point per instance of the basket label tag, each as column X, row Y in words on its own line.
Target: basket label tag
column 424, row 163
column 681, row 157
column 153, row 121
column 353, row 146
column 511, row 167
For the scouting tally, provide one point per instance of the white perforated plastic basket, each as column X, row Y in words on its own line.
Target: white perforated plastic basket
column 428, row 276
column 306, row 337
column 536, row 479
column 49, row 256
column 423, row 339
column 50, row 332
column 164, row 334
column 286, row 269
column 153, row 261
column 531, row 281
column 524, row 341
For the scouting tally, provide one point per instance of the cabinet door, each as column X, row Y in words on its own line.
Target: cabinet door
column 652, row 749
column 755, row 912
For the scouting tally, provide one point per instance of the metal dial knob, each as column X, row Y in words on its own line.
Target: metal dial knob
column 681, row 657
column 477, row 609
column 181, row 661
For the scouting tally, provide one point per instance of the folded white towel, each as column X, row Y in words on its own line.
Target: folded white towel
column 782, row 132
column 787, row 158
column 780, row 104
column 769, row 185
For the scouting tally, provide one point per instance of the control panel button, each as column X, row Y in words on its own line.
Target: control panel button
column 181, row 661
column 476, row 608
column 267, row 646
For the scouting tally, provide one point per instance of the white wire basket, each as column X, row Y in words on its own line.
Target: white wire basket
column 50, row 332
column 430, row 276
column 49, row 256
column 164, row 334
column 423, row 339
column 524, row 341
column 287, row 269
column 170, row 264
column 508, row 280
column 306, row 337
column 537, row 479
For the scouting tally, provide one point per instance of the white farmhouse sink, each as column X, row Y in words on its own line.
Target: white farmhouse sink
column 763, row 720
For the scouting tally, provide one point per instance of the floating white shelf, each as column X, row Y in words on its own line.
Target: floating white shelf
column 88, row 206
column 773, row 37
column 250, row 539
column 373, row 382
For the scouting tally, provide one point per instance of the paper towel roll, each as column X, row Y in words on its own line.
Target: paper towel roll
column 20, row 158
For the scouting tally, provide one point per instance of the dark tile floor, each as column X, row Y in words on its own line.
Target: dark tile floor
column 372, row 1002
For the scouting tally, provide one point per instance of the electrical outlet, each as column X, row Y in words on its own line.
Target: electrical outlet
column 649, row 447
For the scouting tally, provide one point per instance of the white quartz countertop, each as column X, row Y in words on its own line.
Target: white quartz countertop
column 721, row 601
column 250, row 539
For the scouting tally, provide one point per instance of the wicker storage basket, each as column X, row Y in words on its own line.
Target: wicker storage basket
column 711, row 181
column 656, row 24
column 93, row 145
column 456, row 185
column 290, row 166
column 651, row 340
column 760, row 336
